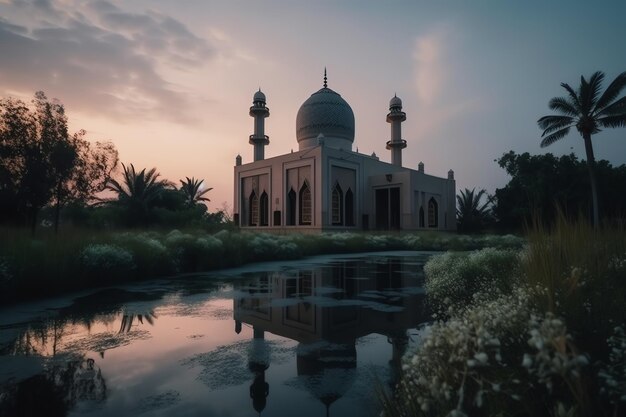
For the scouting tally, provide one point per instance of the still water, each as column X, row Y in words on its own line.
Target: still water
column 308, row 338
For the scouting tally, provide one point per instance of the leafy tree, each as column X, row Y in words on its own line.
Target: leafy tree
column 192, row 189
column 472, row 214
column 588, row 112
column 138, row 192
column 539, row 183
column 41, row 163
column 84, row 170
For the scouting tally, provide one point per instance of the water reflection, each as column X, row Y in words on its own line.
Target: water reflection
column 326, row 309
column 56, row 390
column 308, row 340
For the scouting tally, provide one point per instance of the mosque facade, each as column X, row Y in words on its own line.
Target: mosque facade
column 327, row 186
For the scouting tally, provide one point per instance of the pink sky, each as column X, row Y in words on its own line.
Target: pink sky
column 170, row 83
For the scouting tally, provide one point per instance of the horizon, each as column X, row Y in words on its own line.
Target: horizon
column 171, row 86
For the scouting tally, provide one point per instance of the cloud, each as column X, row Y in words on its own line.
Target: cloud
column 100, row 59
column 439, row 80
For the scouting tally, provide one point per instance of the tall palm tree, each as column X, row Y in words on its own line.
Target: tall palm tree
column 137, row 189
column 588, row 111
column 192, row 188
column 472, row 215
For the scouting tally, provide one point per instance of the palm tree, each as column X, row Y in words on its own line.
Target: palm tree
column 471, row 214
column 588, row 111
column 192, row 188
column 137, row 190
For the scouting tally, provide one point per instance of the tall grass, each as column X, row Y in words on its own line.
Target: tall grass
column 555, row 345
column 79, row 258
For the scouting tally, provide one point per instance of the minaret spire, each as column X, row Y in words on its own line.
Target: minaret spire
column 259, row 111
column 325, row 79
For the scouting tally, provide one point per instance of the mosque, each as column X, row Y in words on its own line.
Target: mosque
column 327, row 186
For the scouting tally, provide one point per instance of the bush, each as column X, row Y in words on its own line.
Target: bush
column 106, row 261
column 553, row 346
column 453, row 279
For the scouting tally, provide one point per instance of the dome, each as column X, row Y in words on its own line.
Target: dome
column 395, row 102
column 259, row 96
column 325, row 112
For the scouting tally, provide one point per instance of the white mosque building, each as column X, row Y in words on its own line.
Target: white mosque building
column 327, row 186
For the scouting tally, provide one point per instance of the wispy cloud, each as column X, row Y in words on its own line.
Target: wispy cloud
column 438, row 75
column 100, row 58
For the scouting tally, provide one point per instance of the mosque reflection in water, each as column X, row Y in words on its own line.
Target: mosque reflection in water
column 326, row 310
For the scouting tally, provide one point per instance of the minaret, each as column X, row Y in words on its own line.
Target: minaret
column 259, row 139
column 396, row 116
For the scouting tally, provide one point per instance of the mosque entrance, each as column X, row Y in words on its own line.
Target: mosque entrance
column 388, row 208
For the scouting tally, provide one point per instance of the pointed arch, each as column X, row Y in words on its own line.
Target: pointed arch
column 421, row 217
column 433, row 213
column 253, row 219
column 264, row 213
column 349, row 207
column 305, row 204
column 336, row 209
column 291, row 208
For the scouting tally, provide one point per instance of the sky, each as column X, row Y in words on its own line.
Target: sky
column 170, row 82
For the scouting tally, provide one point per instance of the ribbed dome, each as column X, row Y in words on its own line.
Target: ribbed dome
column 395, row 102
column 259, row 96
column 327, row 113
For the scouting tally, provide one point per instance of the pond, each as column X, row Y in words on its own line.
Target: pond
column 309, row 338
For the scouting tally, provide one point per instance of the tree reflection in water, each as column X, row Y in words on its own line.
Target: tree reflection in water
column 55, row 391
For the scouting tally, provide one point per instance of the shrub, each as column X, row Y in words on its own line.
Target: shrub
column 453, row 278
column 498, row 357
column 105, row 261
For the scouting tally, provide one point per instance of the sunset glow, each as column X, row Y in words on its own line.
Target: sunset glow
column 170, row 83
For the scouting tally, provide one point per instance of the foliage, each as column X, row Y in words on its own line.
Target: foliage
column 138, row 192
column 472, row 215
column 552, row 346
column 192, row 189
column 540, row 183
column 49, row 264
column 588, row 112
column 41, row 163
column 454, row 278
column 584, row 273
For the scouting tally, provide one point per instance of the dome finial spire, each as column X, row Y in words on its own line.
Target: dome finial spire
column 325, row 79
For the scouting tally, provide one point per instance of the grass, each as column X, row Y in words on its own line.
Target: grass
column 553, row 344
column 80, row 258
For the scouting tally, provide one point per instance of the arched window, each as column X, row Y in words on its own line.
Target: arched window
column 349, row 208
column 264, row 209
column 433, row 213
column 421, row 216
column 291, row 208
column 336, row 206
column 254, row 210
column 305, row 204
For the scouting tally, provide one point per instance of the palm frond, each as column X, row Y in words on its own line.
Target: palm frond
column 564, row 106
column 616, row 108
column 191, row 188
column 613, row 121
column 594, row 87
column 612, row 91
column 574, row 97
column 551, row 123
column 550, row 139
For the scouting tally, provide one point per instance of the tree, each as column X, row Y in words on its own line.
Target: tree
column 138, row 191
column 588, row 112
column 35, row 145
column 83, row 170
column 41, row 163
column 472, row 215
column 540, row 183
column 192, row 188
